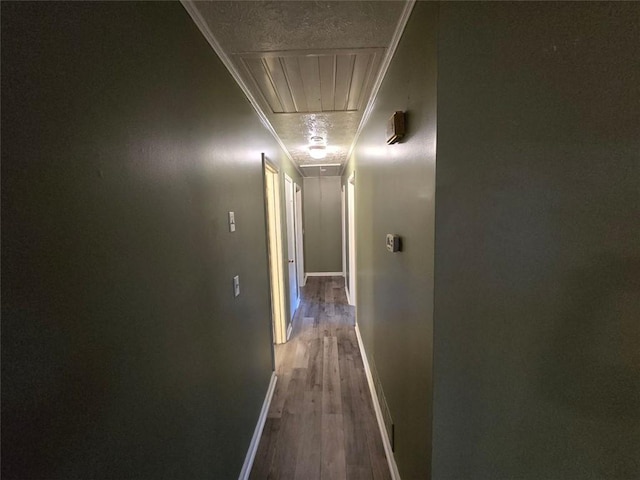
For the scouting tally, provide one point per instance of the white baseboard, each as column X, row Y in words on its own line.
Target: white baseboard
column 289, row 330
column 323, row 274
column 349, row 300
column 393, row 468
column 255, row 440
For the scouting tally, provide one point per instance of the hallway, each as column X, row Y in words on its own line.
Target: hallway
column 321, row 422
column 495, row 143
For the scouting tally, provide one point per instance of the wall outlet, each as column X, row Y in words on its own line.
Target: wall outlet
column 394, row 242
column 232, row 222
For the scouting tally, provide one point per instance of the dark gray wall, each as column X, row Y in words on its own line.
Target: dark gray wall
column 125, row 142
column 537, row 365
column 395, row 188
column 322, row 209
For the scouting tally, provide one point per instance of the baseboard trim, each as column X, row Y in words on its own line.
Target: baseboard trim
column 255, row 440
column 393, row 468
column 324, row 274
column 289, row 330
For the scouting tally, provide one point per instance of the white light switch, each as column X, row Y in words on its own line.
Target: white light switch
column 232, row 222
column 236, row 285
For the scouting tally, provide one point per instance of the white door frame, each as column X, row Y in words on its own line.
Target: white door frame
column 344, row 232
column 351, row 207
column 274, row 249
column 299, row 236
column 292, row 268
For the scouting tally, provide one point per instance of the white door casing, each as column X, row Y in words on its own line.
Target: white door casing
column 299, row 236
column 275, row 249
column 351, row 207
column 291, row 245
column 344, row 233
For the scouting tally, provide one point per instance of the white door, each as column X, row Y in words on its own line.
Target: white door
column 299, row 237
column 291, row 245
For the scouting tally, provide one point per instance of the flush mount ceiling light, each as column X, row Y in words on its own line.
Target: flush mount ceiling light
column 317, row 148
column 317, row 151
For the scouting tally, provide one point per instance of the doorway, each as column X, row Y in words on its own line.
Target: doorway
column 351, row 219
column 274, row 248
column 343, row 211
column 289, row 192
column 299, row 238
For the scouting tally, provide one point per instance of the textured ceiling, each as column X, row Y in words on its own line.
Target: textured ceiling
column 310, row 66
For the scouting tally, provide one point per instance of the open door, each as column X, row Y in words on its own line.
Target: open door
column 275, row 246
column 289, row 191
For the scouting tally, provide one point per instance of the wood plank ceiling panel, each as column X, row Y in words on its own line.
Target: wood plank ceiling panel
column 327, row 82
column 279, row 81
column 314, row 81
column 310, row 70
column 359, row 79
column 292, row 71
column 262, row 79
column 344, row 73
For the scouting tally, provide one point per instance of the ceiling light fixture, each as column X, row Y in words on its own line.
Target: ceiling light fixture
column 317, row 151
column 317, row 147
column 310, row 165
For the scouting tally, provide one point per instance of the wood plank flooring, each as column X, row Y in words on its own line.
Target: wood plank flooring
column 321, row 423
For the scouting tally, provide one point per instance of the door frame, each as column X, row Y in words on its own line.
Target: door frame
column 299, row 236
column 290, row 228
column 344, row 231
column 273, row 226
column 351, row 214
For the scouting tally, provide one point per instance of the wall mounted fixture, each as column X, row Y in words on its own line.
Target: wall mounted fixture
column 395, row 128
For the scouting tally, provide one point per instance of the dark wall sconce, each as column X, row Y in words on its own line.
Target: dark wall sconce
column 395, row 128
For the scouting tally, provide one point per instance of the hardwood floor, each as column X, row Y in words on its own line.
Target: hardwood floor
column 321, row 423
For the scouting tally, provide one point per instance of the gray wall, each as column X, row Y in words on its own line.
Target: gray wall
column 125, row 142
column 395, row 188
column 537, row 365
column 322, row 210
column 536, row 371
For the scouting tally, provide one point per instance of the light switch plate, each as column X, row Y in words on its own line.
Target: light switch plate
column 232, row 222
column 236, row 285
